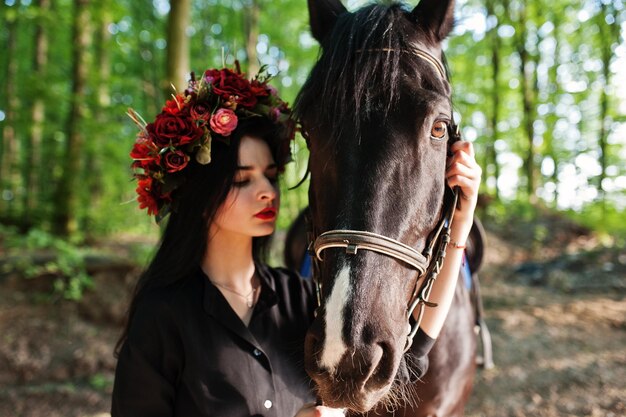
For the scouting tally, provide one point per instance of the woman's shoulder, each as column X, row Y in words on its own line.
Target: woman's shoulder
column 169, row 299
column 287, row 278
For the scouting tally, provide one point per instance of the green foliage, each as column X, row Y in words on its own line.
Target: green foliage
column 604, row 218
column 38, row 253
column 100, row 382
column 569, row 46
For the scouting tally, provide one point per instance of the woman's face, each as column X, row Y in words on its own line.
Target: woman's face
column 251, row 207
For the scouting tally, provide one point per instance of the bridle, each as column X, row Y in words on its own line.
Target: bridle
column 428, row 263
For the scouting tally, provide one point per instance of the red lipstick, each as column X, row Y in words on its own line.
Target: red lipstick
column 268, row 213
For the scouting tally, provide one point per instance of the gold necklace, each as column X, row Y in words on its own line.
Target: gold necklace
column 249, row 298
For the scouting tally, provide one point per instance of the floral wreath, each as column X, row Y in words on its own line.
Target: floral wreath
column 209, row 109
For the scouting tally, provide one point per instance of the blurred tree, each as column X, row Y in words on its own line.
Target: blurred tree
column 32, row 160
column 93, row 192
column 491, row 164
column 528, row 76
column 553, row 92
column 609, row 36
column 177, row 61
column 251, row 34
column 9, row 151
column 67, row 193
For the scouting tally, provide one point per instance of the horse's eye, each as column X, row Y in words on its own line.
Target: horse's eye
column 439, row 130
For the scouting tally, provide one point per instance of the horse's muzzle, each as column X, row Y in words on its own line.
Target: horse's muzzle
column 359, row 380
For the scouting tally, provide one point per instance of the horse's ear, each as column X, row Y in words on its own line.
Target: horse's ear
column 436, row 16
column 323, row 15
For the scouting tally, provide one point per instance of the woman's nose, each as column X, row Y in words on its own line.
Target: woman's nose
column 267, row 190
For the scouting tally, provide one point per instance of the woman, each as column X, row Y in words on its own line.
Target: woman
column 212, row 331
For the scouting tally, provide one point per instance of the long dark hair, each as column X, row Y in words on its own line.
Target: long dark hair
column 184, row 240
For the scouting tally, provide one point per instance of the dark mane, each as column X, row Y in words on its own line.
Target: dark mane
column 363, row 61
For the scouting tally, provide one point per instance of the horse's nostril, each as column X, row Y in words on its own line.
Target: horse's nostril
column 382, row 367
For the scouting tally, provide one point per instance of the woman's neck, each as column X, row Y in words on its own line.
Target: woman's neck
column 229, row 264
column 228, row 261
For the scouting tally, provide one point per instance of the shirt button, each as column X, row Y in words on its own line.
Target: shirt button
column 267, row 404
column 257, row 353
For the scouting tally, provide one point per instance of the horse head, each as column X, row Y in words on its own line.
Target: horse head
column 376, row 112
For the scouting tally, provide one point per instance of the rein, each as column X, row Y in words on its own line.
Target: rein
column 428, row 263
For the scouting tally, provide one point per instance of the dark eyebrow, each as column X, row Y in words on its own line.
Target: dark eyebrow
column 250, row 168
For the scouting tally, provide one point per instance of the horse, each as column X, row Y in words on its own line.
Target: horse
column 372, row 111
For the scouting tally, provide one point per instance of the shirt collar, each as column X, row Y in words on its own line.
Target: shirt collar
column 216, row 305
column 267, row 297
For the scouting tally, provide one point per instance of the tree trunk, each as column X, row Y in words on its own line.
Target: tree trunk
column 9, row 150
column 177, row 62
column 67, row 193
column 95, row 141
column 527, row 103
column 552, row 118
column 491, row 154
column 103, row 59
column 609, row 33
column 32, row 171
column 251, row 33
column 148, row 72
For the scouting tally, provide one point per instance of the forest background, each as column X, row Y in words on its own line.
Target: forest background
column 539, row 87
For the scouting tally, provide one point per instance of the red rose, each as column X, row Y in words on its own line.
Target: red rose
column 228, row 84
column 168, row 129
column 223, row 122
column 175, row 160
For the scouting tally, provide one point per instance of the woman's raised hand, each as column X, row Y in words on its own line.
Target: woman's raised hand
column 462, row 171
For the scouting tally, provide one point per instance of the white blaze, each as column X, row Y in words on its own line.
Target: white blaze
column 334, row 347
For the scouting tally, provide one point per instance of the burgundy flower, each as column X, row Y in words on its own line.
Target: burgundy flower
column 231, row 86
column 259, row 89
column 175, row 160
column 200, row 113
column 173, row 130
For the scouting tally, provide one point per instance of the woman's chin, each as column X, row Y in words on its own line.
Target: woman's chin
column 265, row 230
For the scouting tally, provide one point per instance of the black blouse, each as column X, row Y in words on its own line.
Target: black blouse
column 188, row 354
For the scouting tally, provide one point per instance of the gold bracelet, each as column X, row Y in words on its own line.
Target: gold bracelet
column 457, row 245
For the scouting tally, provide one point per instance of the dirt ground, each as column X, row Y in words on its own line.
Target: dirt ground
column 558, row 325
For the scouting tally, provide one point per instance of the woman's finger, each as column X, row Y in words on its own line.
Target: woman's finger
column 464, row 183
column 464, row 146
column 463, row 158
column 464, row 170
